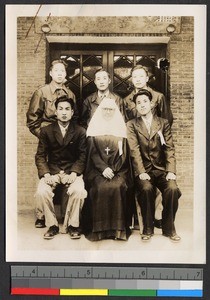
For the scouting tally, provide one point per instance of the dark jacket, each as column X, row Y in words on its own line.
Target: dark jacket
column 41, row 110
column 55, row 153
column 146, row 150
column 91, row 103
column 160, row 107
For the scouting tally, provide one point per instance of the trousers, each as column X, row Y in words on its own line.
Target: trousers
column 76, row 194
column 146, row 195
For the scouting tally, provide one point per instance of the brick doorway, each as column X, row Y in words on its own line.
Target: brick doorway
column 118, row 59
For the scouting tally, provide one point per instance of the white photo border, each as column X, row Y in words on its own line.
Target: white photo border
column 197, row 255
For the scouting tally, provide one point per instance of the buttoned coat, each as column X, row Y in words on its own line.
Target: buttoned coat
column 160, row 107
column 91, row 103
column 41, row 111
column 151, row 151
column 55, row 153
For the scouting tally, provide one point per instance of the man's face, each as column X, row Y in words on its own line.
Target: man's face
column 143, row 105
column 108, row 113
column 139, row 78
column 58, row 73
column 64, row 112
column 102, row 81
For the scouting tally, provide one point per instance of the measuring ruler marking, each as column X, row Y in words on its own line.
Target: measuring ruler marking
column 111, row 281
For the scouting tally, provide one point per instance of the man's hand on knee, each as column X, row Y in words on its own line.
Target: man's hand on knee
column 170, row 176
column 69, row 178
column 144, row 176
column 52, row 180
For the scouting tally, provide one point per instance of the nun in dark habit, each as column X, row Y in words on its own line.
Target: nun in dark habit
column 108, row 174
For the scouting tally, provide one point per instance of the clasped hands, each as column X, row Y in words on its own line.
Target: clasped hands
column 68, row 178
column 60, row 178
column 108, row 173
column 169, row 176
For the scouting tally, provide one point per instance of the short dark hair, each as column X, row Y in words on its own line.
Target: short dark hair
column 140, row 67
column 65, row 99
column 102, row 70
column 58, row 61
column 142, row 92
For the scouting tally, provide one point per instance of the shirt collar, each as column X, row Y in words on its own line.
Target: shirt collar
column 63, row 129
column 102, row 94
column 148, row 120
column 137, row 90
column 54, row 87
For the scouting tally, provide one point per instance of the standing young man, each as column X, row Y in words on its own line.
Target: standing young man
column 153, row 158
column 90, row 104
column 140, row 78
column 60, row 160
column 41, row 111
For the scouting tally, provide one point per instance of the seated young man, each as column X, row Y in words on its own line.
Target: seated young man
column 41, row 110
column 153, row 159
column 60, row 160
column 160, row 107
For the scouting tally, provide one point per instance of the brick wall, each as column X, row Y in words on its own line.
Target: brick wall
column 182, row 104
column 32, row 73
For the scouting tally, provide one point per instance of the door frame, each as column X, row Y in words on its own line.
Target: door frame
column 119, row 44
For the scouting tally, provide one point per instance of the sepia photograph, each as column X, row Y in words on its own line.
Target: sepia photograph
column 105, row 133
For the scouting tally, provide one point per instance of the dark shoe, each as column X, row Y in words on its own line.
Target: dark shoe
column 74, row 232
column 173, row 237
column 40, row 223
column 158, row 223
column 52, row 231
column 146, row 237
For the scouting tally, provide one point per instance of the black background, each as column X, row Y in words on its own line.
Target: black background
column 5, row 266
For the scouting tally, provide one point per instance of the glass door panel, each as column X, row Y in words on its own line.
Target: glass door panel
column 122, row 79
column 122, row 65
column 91, row 63
column 82, row 65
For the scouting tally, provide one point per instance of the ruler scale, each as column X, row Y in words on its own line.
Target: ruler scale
column 109, row 281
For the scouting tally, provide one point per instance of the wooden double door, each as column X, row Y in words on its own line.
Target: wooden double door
column 85, row 59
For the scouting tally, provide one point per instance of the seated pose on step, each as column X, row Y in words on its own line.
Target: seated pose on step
column 60, row 160
column 108, row 174
column 41, row 111
column 159, row 107
column 153, row 158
